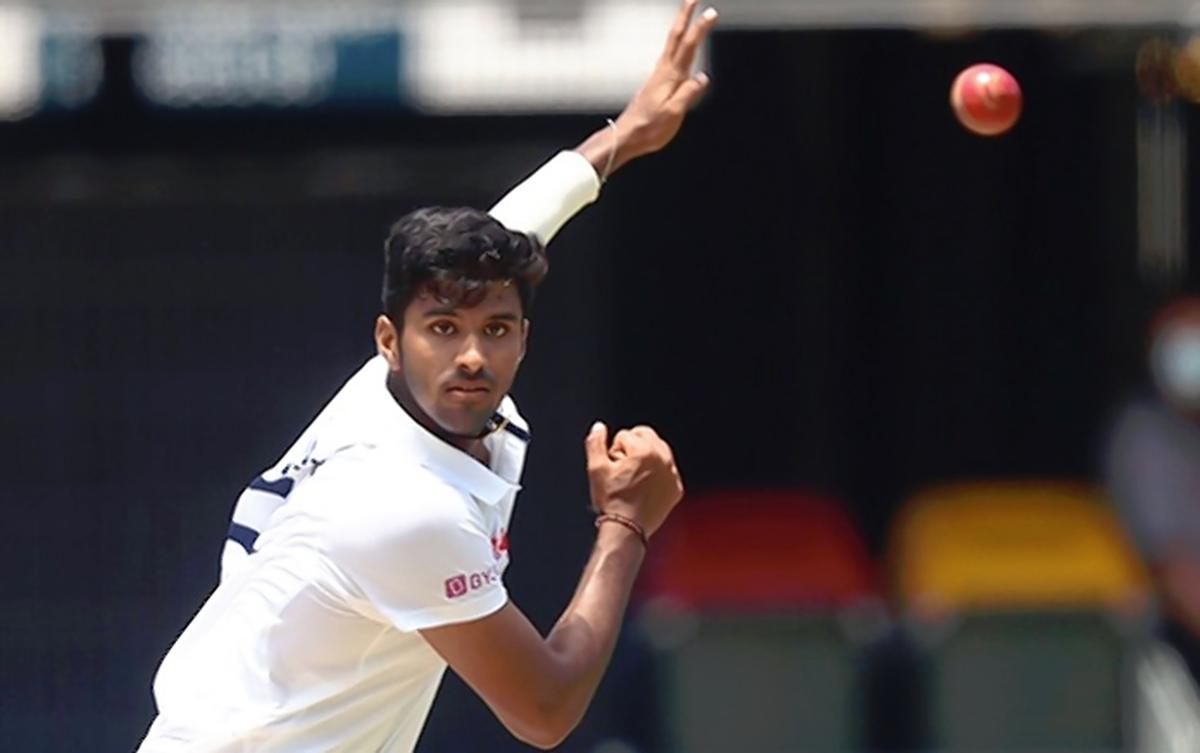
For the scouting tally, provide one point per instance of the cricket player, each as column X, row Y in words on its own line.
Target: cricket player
column 372, row 555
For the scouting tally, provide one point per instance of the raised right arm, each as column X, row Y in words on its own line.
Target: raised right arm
column 548, row 199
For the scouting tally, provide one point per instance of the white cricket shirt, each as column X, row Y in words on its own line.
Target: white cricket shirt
column 369, row 529
column 312, row 644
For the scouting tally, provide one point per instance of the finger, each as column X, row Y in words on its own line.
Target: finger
column 680, row 26
column 690, row 92
column 630, row 442
column 648, row 438
column 685, row 52
column 620, row 444
column 665, row 453
column 596, row 444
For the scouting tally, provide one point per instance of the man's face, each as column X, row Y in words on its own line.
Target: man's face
column 459, row 362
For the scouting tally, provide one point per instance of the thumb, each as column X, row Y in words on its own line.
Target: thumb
column 596, row 443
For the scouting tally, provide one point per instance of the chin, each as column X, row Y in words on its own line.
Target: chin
column 462, row 424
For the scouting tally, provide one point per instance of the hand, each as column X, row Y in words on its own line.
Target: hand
column 656, row 113
column 636, row 477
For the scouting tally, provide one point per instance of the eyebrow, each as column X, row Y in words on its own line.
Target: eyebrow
column 453, row 311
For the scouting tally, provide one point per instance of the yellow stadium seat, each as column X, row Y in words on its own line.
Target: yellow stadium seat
column 1043, row 595
column 1013, row 544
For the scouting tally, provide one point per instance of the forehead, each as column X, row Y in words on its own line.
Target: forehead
column 495, row 299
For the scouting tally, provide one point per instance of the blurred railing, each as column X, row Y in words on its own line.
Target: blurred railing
column 127, row 15
column 438, row 56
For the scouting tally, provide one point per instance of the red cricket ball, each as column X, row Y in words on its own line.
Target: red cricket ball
column 986, row 99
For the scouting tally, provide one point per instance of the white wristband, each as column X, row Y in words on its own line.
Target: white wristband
column 546, row 200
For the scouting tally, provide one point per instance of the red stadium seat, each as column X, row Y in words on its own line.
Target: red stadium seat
column 760, row 549
column 749, row 601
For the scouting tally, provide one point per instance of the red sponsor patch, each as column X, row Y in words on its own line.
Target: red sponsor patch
column 462, row 584
column 456, row 586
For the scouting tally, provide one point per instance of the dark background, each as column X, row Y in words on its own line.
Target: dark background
column 825, row 282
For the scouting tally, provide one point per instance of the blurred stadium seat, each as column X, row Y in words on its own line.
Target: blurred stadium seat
column 759, row 603
column 1026, row 597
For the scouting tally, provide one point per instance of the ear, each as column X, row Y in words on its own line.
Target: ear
column 387, row 341
column 524, row 339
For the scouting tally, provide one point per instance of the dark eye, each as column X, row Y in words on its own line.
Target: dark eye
column 496, row 329
column 442, row 328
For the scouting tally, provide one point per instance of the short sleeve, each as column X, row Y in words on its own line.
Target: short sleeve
column 234, row 560
column 424, row 560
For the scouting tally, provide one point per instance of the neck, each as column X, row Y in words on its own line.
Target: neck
column 473, row 446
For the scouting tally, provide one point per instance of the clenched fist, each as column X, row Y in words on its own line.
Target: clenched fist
column 635, row 476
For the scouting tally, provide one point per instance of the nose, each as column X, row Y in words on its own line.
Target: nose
column 470, row 359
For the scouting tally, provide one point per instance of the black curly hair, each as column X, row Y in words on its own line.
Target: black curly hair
column 453, row 253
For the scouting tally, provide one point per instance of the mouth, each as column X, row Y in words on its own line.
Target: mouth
column 468, row 391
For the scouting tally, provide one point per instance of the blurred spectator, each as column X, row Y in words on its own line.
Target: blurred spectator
column 1153, row 471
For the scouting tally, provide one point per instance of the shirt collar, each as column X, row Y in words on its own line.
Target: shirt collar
column 398, row 428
